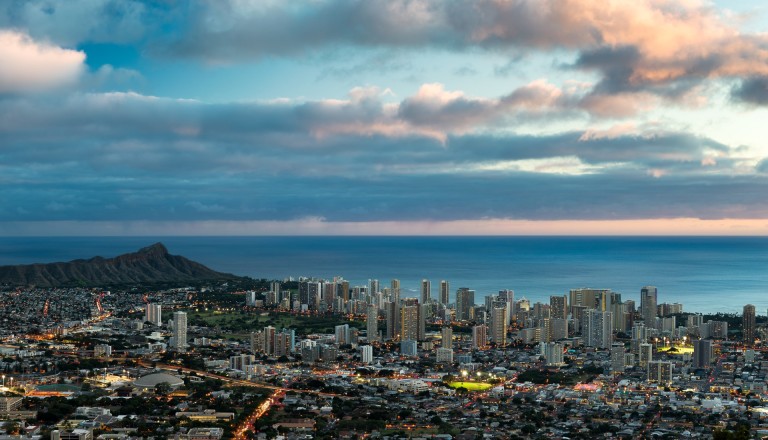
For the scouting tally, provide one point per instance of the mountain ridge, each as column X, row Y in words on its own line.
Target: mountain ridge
column 149, row 264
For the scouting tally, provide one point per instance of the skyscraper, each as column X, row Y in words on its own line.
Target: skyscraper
column 508, row 296
column 479, row 336
column 597, row 330
column 269, row 339
column 426, row 291
column 392, row 313
column 372, row 323
column 395, row 290
column 645, row 354
column 499, row 326
column 374, row 286
column 180, row 331
column 366, row 354
column 154, row 314
column 409, row 323
column 617, row 358
column 661, row 372
column 748, row 328
column 648, row 301
column 552, row 352
column 342, row 334
column 465, row 300
column 446, row 334
column 445, row 292
column 702, row 353
column 590, row 298
column 558, row 307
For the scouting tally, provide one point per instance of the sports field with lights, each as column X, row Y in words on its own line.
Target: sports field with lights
column 471, row 386
column 677, row 349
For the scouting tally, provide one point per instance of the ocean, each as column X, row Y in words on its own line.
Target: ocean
column 705, row 274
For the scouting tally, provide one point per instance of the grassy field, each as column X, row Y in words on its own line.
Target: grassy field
column 239, row 323
column 471, row 386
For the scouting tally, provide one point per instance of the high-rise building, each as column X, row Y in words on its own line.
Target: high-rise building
column 597, row 329
column 598, row 299
column 552, row 352
column 374, row 286
column 508, row 296
column 154, row 314
column 499, row 326
column 342, row 290
column 702, row 353
column 666, row 309
column 180, row 331
column 648, row 301
column 444, row 355
column 748, row 325
column 372, row 323
column 714, row 329
column 392, row 314
column 479, row 336
column 445, row 292
column 366, row 354
column 269, row 339
column 342, row 334
column 659, row 371
column 465, row 300
column 558, row 307
column 285, row 342
column 695, row 320
column 617, row 358
column 426, row 291
column 558, row 329
column 395, row 290
column 540, row 311
column 408, row 348
column 645, row 354
column 409, row 322
column 330, row 297
column 446, row 334
column 424, row 310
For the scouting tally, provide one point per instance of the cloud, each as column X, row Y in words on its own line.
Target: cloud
column 353, row 160
column 77, row 21
column 29, row 66
column 661, row 47
column 752, row 90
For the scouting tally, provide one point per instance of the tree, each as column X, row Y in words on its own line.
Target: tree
column 163, row 388
column 12, row 427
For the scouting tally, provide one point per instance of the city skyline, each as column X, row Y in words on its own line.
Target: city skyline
column 342, row 117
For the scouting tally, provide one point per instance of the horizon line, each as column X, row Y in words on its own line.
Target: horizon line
column 317, row 226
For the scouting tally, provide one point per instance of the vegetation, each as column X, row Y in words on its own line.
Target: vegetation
column 245, row 321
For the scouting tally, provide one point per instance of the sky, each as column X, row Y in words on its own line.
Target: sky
column 240, row 117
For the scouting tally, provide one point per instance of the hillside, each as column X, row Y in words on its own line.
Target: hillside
column 148, row 265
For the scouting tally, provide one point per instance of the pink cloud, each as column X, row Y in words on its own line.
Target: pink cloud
column 28, row 66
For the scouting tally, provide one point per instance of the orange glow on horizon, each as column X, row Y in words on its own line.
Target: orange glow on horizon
column 319, row 226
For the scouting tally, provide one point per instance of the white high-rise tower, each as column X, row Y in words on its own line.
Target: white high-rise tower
column 180, row 331
column 154, row 314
